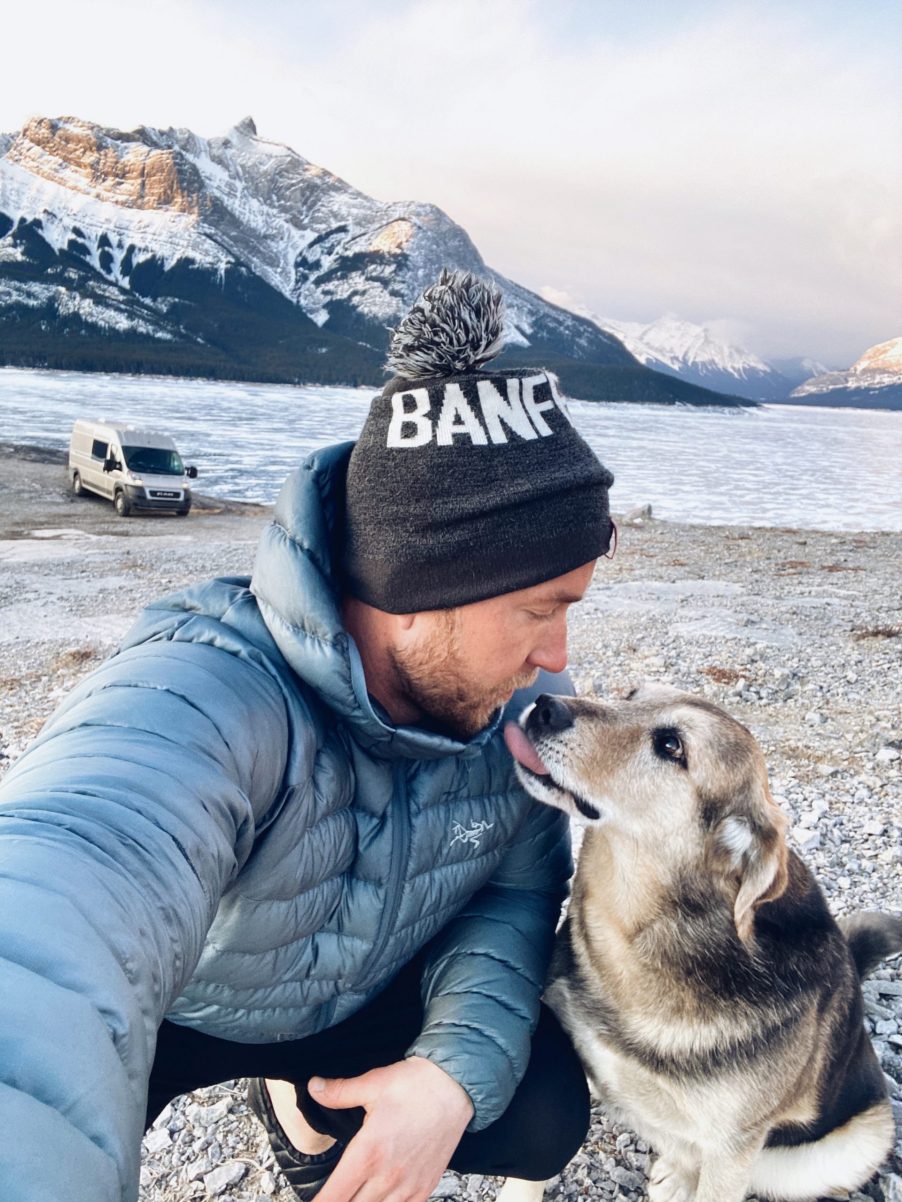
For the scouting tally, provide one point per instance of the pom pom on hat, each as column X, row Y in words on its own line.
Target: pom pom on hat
column 456, row 325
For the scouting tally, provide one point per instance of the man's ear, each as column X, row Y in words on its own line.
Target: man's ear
column 752, row 847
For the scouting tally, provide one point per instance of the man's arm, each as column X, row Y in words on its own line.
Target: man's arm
column 119, row 830
column 486, row 971
column 482, row 985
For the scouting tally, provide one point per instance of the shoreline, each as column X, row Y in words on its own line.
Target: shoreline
column 795, row 632
column 13, row 453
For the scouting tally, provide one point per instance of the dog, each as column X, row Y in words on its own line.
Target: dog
column 713, row 999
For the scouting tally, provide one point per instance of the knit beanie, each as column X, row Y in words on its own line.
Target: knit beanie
column 465, row 483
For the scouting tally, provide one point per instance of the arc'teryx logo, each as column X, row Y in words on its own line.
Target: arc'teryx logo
column 472, row 835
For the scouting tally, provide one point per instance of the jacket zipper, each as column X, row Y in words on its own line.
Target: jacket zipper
column 395, row 885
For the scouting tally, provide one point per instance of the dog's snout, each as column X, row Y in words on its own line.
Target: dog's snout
column 551, row 714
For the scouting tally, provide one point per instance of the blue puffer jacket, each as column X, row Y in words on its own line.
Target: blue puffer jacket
column 219, row 826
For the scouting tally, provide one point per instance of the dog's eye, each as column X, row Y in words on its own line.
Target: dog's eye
column 669, row 746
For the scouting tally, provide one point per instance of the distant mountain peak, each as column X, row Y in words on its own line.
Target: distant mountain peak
column 247, row 126
column 884, row 357
column 876, row 376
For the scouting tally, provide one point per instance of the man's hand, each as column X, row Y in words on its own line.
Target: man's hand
column 415, row 1116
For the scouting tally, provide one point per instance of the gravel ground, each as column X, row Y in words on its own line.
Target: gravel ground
column 797, row 633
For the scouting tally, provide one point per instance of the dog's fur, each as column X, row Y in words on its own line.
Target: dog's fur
column 712, row 997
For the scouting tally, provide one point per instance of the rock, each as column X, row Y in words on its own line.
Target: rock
column 815, row 718
column 887, row 755
column 207, row 1116
column 893, row 1188
column 197, row 1169
column 888, row 988
column 446, row 1188
column 158, row 1139
column 826, row 770
column 627, row 1179
column 874, row 827
column 807, row 840
column 162, row 1119
column 267, row 1184
column 636, row 516
column 225, row 1175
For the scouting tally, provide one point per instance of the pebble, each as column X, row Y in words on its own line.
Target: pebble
column 874, row 827
column 447, row 1187
column 806, row 839
column 158, row 1139
column 225, row 1175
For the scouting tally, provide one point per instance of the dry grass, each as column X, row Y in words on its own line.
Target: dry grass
column 76, row 657
column 722, row 675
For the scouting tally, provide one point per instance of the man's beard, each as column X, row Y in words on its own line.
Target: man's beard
column 432, row 677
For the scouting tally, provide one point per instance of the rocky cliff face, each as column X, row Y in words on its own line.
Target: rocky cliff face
column 106, row 165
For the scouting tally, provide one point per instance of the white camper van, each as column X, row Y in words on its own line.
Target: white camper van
column 135, row 469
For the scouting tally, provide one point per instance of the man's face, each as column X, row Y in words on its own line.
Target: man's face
column 458, row 666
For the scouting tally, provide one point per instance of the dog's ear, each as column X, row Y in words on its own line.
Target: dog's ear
column 753, row 844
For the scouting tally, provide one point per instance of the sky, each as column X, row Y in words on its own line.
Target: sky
column 737, row 164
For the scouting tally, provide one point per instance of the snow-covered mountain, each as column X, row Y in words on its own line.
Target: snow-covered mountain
column 873, row 381
column 161, row 250
column 691, row 352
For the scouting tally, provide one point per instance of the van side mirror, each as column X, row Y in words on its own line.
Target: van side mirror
column 191, row 472
column 110, row 463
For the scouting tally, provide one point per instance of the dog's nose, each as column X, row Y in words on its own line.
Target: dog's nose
column 550, row 714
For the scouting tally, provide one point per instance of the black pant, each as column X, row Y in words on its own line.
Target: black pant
column 536, row 1136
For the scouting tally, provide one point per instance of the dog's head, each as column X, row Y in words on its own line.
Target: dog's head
column 672, row 773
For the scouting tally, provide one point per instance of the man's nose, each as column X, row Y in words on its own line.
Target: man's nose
column 551, row 652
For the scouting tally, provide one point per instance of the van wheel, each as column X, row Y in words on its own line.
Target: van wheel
column 183, row 513
column 121, row 501
column 77, row 487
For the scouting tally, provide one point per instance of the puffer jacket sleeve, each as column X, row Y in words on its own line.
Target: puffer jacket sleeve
column 484, row 975
column 119, row 830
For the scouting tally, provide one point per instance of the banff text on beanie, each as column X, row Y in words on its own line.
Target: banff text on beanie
column 465, row 484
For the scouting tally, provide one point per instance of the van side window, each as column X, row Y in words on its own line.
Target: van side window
column 99, row 449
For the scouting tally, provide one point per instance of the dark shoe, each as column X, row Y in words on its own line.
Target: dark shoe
column 306, row 1174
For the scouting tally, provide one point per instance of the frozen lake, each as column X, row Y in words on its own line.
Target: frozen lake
column 827, row 469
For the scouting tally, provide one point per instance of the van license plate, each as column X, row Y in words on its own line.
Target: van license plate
column 157, row 492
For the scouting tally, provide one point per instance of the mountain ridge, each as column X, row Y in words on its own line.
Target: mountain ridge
column 151, row 246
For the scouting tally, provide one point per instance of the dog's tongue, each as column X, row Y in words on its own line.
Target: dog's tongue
column 522, row 750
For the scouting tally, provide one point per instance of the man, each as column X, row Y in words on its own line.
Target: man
column 277, row 835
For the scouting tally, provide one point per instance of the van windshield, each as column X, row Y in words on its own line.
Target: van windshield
column 156, row 461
